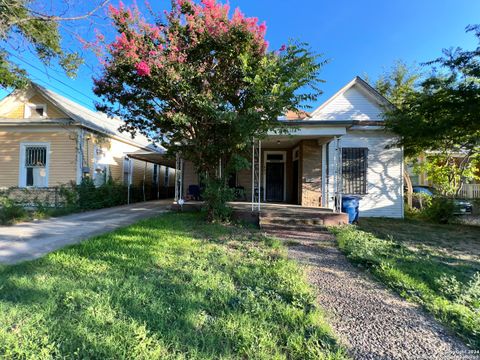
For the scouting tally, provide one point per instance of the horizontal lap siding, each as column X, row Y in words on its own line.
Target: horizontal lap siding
column 354, row 104
column 63, row 158
column 18, row 112
column 384, row 173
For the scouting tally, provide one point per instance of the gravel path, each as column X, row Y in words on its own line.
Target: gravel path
column 372, row 322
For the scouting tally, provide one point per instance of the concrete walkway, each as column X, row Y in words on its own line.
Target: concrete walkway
column 28, row 241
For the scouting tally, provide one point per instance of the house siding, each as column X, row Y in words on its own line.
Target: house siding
column 18, row 111
column 384, row 196
column 353, row 104
column 62, row 167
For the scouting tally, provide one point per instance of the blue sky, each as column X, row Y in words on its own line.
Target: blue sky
column 358, row 37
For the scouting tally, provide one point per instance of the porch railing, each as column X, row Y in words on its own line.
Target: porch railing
column 470, row 191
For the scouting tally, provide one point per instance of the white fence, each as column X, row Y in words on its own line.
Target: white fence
column 470, row 191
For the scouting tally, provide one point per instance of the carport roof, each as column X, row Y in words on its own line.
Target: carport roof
column 152, row 157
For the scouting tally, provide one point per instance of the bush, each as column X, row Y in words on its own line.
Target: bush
column 440, row 210
column 216, row 195
column 10, row 212
column 109, row 194
column 436, row 209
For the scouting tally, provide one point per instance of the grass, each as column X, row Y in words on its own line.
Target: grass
column 172, row 287
column 436, row 266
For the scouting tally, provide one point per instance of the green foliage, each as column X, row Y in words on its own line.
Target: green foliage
column 10, row 212
column 440, row 210
column 398, row 253
column 22, row 22
column 434, row 209
column 108, row 194
column 216, row 195
column 466, row 294
column 441, row 117
column 448, row 170
column 172, row 287
column 398, row 83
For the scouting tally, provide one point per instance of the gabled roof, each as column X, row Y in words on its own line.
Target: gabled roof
column 371, row 92
column 92, row 120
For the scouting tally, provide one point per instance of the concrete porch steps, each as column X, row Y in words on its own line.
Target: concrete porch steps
column 288, row 220
column 294, row 228
column 300, row 219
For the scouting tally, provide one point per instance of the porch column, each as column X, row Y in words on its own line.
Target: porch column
column 256, row 174
column 130, row 178
column 144, row 179
column 338, row 187
column 178, row 178
column 324, row 176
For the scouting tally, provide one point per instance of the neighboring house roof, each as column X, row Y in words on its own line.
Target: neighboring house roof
column 356, row 101
column 296, row 115
column 89, row 119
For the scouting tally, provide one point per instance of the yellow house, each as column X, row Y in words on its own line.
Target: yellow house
column 47, row 140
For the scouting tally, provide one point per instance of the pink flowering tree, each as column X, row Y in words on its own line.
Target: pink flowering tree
column 203, row 82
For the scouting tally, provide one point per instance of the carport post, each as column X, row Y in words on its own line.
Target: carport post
column 144, row 174
column 158, row 181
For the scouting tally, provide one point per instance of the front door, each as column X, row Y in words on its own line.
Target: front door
column 275, row 181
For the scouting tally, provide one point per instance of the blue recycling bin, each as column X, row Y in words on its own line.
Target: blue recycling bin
column 350, row 206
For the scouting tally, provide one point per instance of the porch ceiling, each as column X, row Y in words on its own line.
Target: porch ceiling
column 288, row 141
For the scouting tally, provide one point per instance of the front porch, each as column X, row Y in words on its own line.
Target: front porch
column 301, row 168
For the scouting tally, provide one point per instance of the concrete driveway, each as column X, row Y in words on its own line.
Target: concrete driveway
column 28, row 241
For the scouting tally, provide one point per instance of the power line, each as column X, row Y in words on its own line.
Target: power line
column 50, row 76
column 46, row 83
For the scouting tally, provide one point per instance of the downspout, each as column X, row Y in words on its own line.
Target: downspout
column 80, row 140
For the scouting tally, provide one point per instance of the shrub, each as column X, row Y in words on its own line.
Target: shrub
column 10, row 211
column 109, row 194
column 440, row 210
column 216, row 194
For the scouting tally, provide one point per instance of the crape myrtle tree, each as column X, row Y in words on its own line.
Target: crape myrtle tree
column 203, row 83
column 441, row 119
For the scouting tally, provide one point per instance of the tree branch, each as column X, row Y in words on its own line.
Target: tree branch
column 45, row 17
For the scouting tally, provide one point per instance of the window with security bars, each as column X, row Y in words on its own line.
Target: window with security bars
column 35, row 166
column 354, row 170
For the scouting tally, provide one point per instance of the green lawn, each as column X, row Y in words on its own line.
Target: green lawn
column 437, row 266
column 171, row 287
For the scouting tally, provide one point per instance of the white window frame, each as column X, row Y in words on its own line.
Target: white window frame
column 98, row 154
column 28, row 110
column 264, row 170
column 22, row 173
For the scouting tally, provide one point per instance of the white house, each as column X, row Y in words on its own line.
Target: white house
column 340, row 149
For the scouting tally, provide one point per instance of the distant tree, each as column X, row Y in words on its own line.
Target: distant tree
column 203, row 83
column 397, row 83
column 22, row 24
column 442, row 118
